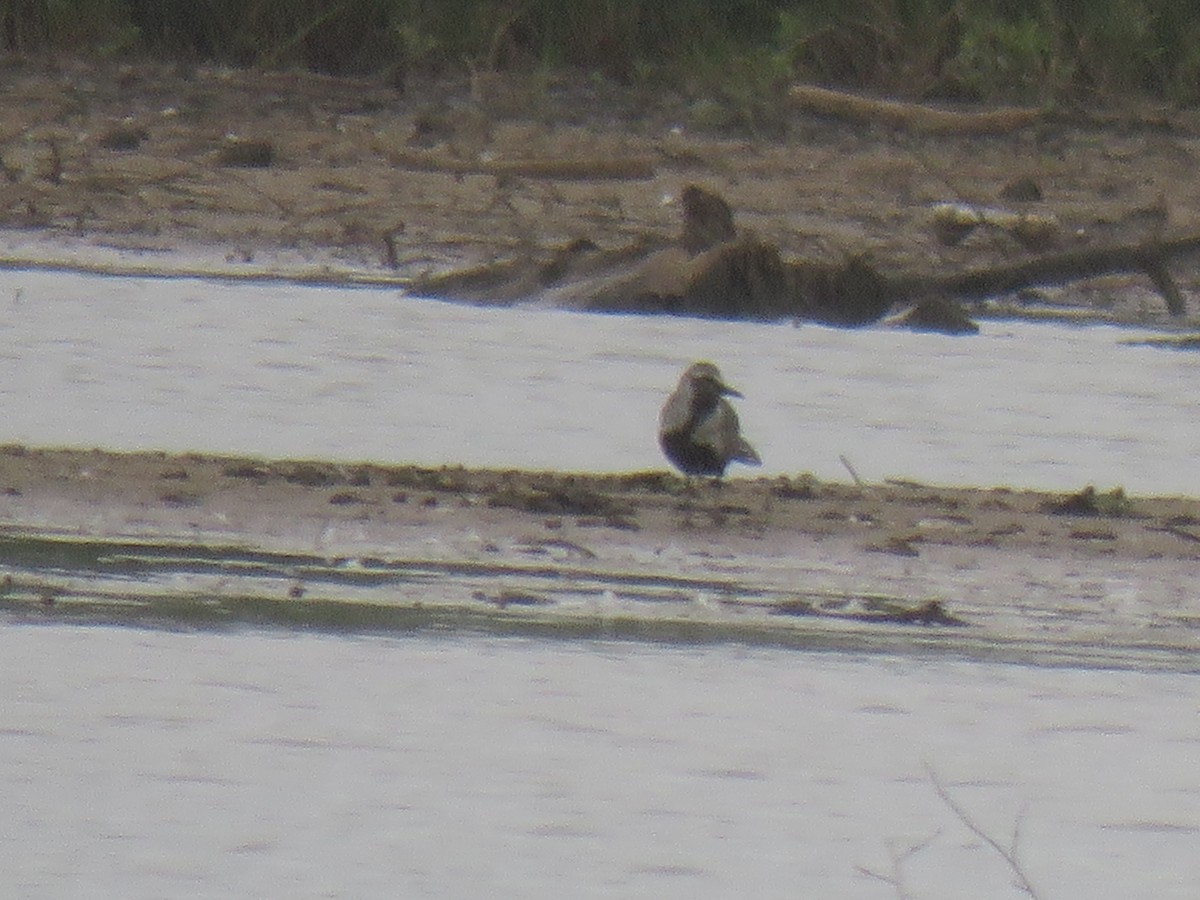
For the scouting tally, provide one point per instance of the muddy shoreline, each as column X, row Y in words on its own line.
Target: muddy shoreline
column 138, row 165
column 106, row 494
column 1085, row 578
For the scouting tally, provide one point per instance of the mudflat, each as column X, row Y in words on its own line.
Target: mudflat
column 1085, row 567
column 293, row 170
column 172, row 494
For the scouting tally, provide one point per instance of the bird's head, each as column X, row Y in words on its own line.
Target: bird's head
column 705, row 377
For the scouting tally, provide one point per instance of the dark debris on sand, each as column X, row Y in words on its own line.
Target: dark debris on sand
column 886, row 612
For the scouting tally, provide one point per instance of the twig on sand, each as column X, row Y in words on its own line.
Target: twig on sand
column 1008, row 854
column 849, row 468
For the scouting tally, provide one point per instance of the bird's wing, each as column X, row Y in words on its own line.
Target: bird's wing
column 676, row 411
column 722, row 432
column 746, row 454
column 718, row 430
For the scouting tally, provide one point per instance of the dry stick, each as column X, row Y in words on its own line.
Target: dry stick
column 1008, row 855
column 849, row 468
column 1166, row 286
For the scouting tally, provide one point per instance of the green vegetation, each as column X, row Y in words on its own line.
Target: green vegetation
column 741, row 49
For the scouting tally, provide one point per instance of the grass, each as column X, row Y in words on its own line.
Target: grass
column 741, row 51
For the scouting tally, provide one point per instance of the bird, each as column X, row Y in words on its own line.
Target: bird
column 698, row 429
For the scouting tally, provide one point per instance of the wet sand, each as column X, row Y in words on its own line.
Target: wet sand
column 982, row 554
column 174, row 495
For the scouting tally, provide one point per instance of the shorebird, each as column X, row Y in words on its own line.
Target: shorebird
column 698, row 428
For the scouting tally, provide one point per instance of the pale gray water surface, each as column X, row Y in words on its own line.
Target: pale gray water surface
column 145, row 763
column 441, row 762
column 285, row 370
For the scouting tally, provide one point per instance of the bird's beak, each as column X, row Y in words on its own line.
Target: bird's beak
column 730, row 392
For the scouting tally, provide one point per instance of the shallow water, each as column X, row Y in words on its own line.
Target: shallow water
column 1137, row 615
column 146, row 763
column 294, row 371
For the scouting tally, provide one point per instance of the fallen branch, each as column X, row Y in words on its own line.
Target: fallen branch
column 911, row 116
column 714, row 271
column 1149, row 258
column 630, row 168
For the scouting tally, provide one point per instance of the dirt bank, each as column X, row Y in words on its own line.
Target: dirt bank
column 982, row 552
column 255, row 166
column 127, row 493
column 993, row 573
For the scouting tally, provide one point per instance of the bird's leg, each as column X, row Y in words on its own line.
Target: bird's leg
column 690, row 493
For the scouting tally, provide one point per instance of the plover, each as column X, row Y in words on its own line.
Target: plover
column 698, row 428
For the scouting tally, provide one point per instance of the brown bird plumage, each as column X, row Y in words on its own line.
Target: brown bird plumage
column 698, row 429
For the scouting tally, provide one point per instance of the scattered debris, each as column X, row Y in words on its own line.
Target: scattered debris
column 658, row 482
column 802, row 487
column 568, row 549
column 1093, row 534
column 310, row 474
column 1174, row 342
column 1013, row 528
column 512, row 598
column 573, row 169
column 952, row 222
column 252, row 471
column 123, row 138
column 247, row 154
column 940, row 314
column 180, row 498
column 896, row 546
column 453, row 479
column 559, row 499
column 1175, row 525
column 1022, row 190
column 1088, row 502
column 931, row 612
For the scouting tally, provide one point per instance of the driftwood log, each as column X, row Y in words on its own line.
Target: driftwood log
column 712, row 271
column 911, row 116
column 1150, row 258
